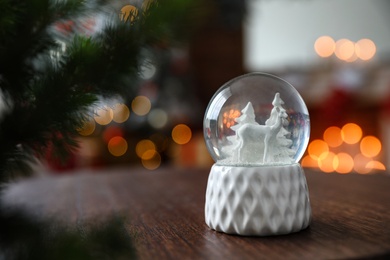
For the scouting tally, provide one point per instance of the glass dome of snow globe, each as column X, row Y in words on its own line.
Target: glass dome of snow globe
column 256, row 119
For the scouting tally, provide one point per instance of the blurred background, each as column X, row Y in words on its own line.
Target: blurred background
column 336, row 53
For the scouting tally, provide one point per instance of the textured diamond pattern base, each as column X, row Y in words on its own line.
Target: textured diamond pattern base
column 259, row 201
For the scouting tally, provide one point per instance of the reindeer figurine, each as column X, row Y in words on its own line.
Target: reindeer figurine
column 253, row 133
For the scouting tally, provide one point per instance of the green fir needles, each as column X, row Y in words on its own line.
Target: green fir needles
column 47, row 88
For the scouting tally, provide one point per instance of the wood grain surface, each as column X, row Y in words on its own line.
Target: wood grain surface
column 165, row 210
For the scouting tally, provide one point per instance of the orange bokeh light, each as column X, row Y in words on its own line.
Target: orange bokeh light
column 144, row 146
column 345, row 49
column 141, row 105
column 375, row 165
column 360, row 162
column 88, row 128
column 351, row 133
column 229, row 117
column 120, row 113
column 111, row 132
column 344, row 163
column 365, row 49
column 370, row 146
column 149, row 154
column 332, row 136
column 324, row 46
column 181, row 134
column 103, row 115
column 318, row 148
column 309, row 162
column 348, row 159
column 117, row 146
column 353, row 58
column 151, row 160
column 326, row 163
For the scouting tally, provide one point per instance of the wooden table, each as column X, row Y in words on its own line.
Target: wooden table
column 351, row 213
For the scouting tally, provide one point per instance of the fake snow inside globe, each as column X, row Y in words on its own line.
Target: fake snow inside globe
column 256, row 119
column 256, row 129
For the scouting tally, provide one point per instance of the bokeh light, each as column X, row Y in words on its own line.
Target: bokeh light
column 365, row 49
column 104, row 115
column 353, row 58
column 158, row 118
column 375, row 165
column 153, row 160
column 112, row 131
column 360, row 162
column 332, row 136
column 326, row 162
column 143, row 146
column 181, row 134
column 370, row 146
column 141, row 105
column 345, row 49
column 318, row 148
column 309, row 162
column 147, row 69
column 344, row 163
column 351, row 133
column 149, row 154
column 324, row 46
column 117, row 146
column 120, row 113
column 88, row 128
column 349, row 157
column 229, row 117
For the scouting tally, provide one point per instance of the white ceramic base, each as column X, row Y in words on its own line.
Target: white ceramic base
column 257, row 201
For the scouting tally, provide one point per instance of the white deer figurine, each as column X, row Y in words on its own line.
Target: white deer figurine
column 249, row 133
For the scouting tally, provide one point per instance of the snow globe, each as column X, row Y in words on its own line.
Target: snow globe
column 256, row 129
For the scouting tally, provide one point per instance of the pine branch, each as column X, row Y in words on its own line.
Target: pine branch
column 52, row 100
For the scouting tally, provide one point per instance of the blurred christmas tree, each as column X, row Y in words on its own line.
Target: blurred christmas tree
column 57, row 59
column 55, row 62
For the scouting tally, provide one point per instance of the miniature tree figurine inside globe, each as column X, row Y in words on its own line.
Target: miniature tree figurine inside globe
column 256, row 128
column 256, row 119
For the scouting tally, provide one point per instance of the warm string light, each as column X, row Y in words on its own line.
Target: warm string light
column 148, row 150
column 181, row 134
column 104, row 115
column 230, row 116
column 88, row 128
column 141, row 105
column 351, row 133
column 158, row 118
column 120, row 113
column 365, row 49
column 344, row 49
column 324, row 46
column 117, row 146
column 344, row 150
